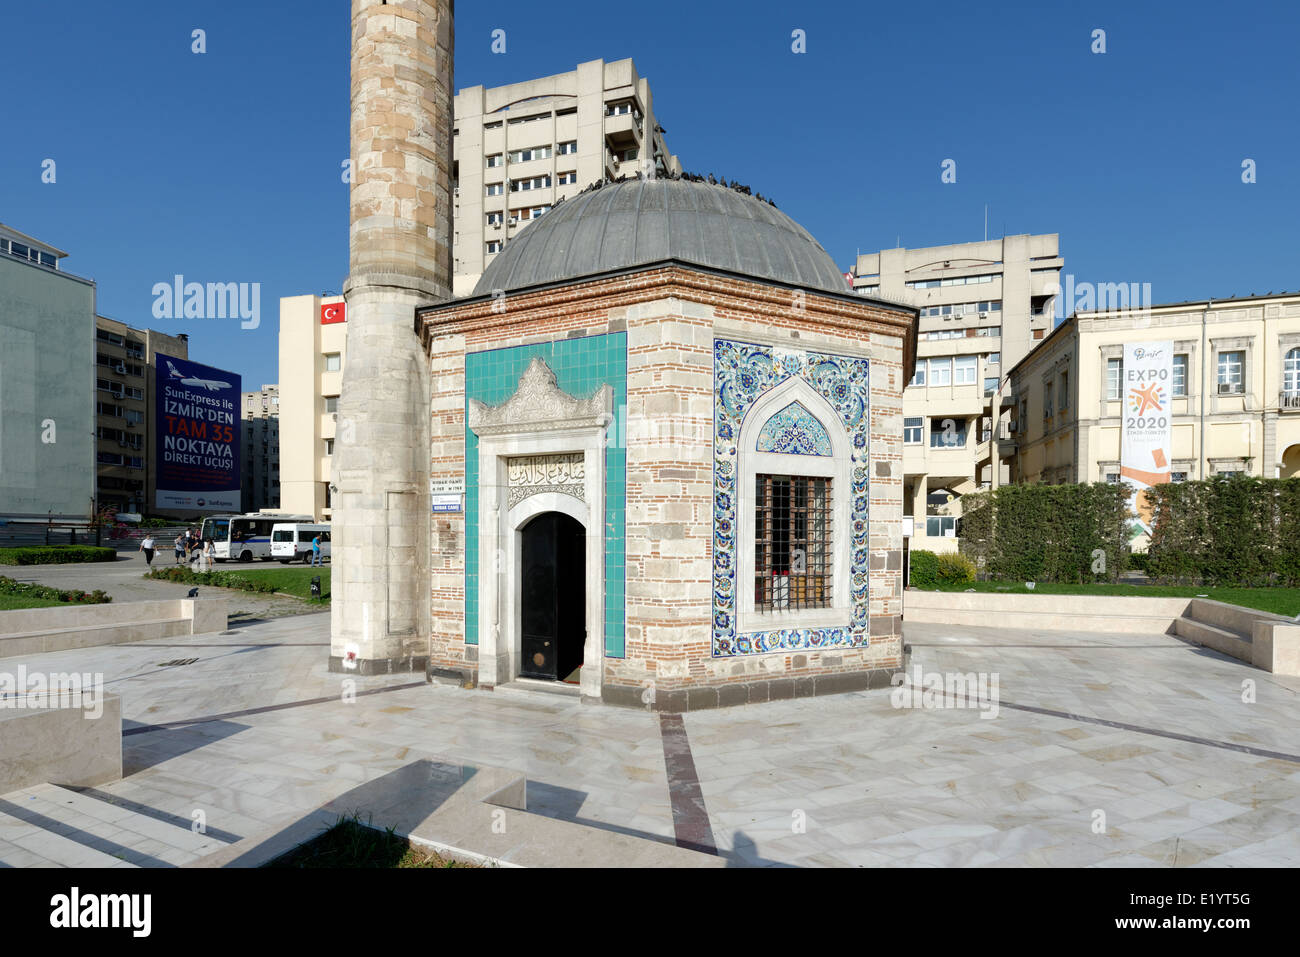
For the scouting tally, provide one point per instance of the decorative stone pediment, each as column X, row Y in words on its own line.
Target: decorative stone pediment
column 540, row 405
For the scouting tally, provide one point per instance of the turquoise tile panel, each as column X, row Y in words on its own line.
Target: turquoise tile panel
column 581, row 366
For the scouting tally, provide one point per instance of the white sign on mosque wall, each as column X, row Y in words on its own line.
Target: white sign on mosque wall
column 446, row 494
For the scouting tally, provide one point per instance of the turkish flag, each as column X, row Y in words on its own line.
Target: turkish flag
column 333, row 312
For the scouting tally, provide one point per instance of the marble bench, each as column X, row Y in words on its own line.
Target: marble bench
column 71, row 739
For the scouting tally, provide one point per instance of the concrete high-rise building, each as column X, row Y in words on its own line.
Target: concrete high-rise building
column 126, row 364
column 260, row 461
column 983, row 306
column 47, row 399
column 1234, row 396
column 521, row 148
column 400, row 258
column 313, row 334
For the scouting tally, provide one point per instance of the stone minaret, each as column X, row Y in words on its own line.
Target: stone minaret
column 400, row 244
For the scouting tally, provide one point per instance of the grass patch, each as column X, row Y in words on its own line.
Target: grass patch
column 17, row 602
column 351, row 844
column 1278, row 601
column 291, row 581
column 56, row 555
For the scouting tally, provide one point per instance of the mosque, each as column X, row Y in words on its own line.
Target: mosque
column 656, row 456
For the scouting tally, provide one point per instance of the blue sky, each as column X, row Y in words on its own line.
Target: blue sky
column 224, row 167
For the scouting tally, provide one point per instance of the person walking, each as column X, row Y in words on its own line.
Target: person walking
column 147, row 546
column 209, row 552
column 179, row 546
column 315, row 551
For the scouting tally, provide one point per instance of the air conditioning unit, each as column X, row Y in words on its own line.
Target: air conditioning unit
column 120, row 369
column 984, row 315
column 1013, row 427
column 455, row 191
column 514, row 220
column 1225, row 388
column 496, row 225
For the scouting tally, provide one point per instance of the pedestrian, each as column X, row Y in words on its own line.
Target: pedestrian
column 315, row 551
column 209, row 552
column 147, row 546
column 179, row 546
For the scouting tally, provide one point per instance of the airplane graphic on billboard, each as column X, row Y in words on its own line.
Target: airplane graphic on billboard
column 212, row 385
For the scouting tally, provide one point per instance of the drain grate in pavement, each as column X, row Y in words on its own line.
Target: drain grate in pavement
column 177, row 662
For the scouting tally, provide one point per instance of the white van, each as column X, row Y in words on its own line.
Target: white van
column 291, row 541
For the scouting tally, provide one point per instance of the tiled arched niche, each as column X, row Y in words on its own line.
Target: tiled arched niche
column 777, row 410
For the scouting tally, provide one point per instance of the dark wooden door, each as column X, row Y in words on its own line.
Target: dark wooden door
column 553, row 598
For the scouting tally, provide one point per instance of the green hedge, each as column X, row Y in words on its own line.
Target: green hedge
column 956, row 568
column 75, row 596
column 214, row 579
column 56, row 555
column 927, row 570
column 923, row 569
column 1239, row 531
column 1047, row 533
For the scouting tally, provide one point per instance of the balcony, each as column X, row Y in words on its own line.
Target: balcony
column 1006, row 439
column 623, row 131
column 1288, row 401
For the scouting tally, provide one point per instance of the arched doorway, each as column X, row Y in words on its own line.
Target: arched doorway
column 553, row 601
column 1291, row 462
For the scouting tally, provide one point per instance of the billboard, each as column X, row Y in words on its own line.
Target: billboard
column 196, row 437
column 1148, row 425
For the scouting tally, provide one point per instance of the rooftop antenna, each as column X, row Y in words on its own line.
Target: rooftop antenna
column 986, row 222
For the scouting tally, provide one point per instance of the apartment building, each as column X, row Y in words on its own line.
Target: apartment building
column 1235, row 392
column 47, row 406
column 260, row 462
column 126, row 363
column 983, row 306
column 521, row 148
column 313, row 335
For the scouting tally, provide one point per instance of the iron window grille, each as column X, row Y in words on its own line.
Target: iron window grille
column 792, row 554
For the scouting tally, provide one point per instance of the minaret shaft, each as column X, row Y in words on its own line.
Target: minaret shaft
column 400, row 258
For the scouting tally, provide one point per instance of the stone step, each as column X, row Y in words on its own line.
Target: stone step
column 1211, row 636
column 87, row 636
column 1009, row 618
column 66, row 828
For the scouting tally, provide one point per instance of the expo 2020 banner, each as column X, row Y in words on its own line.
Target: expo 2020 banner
column 197, row 448
column 1148, row 423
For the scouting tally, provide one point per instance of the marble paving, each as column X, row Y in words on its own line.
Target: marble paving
column 1087, row 762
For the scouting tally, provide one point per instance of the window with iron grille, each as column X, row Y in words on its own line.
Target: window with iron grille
column 792, row 553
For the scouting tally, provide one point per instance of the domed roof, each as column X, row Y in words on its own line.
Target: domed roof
column 638, row 222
